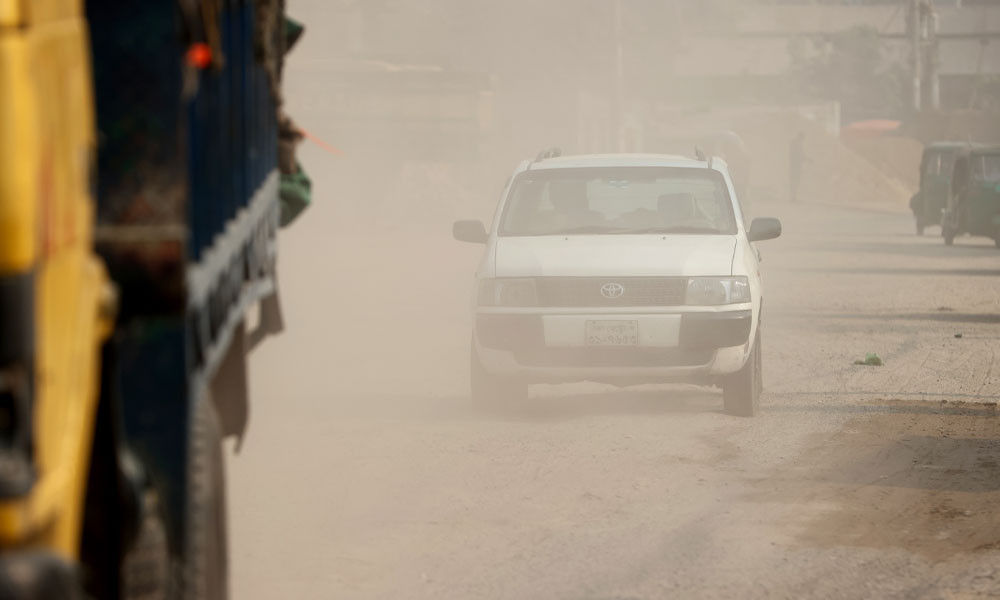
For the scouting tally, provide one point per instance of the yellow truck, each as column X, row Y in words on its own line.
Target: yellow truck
column 139, row 208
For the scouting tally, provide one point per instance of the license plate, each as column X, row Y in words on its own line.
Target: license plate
column 612, row 333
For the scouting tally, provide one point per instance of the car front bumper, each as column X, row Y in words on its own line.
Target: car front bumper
column 681, row 346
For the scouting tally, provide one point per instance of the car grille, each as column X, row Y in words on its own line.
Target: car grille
column 573, row 292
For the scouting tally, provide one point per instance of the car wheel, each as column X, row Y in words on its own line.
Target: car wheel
column 947, row 231
column 741, row 390
column 759, row 379
column 491, row 390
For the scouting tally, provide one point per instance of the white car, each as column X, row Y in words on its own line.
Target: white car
column 623, row 269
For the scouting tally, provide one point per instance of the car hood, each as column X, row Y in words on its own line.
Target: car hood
column 620, row 255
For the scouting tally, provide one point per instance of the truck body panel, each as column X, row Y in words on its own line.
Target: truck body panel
column 22, row 13
column 46, row 221
column 188, row 215
column 126, row 268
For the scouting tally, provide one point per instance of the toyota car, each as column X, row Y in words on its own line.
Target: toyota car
column 624, row 269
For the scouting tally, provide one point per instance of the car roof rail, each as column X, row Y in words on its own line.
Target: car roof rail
column 553, row 152
column 699, row 154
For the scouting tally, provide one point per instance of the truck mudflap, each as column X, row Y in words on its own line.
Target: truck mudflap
column 17, row 468
column 17, row 317
column 17, row 348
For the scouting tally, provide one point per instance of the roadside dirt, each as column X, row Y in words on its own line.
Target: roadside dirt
column 922, row 477
column 368, row 474
column 867, row 173
column 832, row 172
column 896, row 156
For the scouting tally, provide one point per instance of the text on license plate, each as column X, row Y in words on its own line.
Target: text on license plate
column 612, row 333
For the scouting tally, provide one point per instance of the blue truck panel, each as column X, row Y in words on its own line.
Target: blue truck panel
column 188, row 212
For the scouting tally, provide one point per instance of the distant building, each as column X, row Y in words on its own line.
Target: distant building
column 750, row 54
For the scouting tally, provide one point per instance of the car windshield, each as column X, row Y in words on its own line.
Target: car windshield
column 939, row 163
column 986, row 167
column 619, row 201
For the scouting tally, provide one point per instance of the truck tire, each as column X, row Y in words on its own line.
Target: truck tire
column 146, row 566
column 204, row 570
column 741, row 390
column 149, row 572
column 493, row 390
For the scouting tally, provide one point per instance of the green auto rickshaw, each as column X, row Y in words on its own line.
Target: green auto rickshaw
column 974, row 195
column 929, row 202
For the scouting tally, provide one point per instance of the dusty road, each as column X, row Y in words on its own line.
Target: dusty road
column 367, row 474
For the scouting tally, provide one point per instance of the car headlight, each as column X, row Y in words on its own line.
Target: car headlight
column 713, row 291
column 508, row 292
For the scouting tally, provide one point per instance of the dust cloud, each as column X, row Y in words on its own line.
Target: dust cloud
column 433, row 104
column 368, row 473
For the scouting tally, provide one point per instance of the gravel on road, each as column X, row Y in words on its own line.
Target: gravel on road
column 368, row 474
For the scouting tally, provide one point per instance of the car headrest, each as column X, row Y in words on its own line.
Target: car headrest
column 680, row 204
column 568, row 192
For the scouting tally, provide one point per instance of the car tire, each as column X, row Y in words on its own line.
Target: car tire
column 759, row 379
column 741, row 390
column 947, row 231
column 488, row 389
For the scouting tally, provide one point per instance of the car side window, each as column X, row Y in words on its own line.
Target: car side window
column 986, row 168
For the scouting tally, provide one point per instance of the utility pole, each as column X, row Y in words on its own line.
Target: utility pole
column 916, row 53
column 922, row 30
column 933, row 58
column 619, row 102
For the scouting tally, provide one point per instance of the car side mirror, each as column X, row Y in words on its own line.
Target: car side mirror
column 473, row 232
column 764, row 228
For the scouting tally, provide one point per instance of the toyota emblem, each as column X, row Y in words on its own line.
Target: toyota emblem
column 612, row 290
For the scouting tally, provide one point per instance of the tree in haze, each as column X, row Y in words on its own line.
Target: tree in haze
column 853, row 67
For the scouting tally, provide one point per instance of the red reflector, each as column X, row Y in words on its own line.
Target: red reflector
column 199, row 55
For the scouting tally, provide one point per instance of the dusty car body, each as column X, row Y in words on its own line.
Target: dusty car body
column 936, row 166
column 621, row 269
column 974, row 195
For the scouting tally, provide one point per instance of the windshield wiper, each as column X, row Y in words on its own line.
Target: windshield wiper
column 589, row 229
column 669, row 230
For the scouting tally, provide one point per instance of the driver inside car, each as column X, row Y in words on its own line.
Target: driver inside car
column 676, row 209
column 572, row 206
